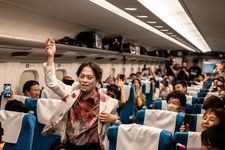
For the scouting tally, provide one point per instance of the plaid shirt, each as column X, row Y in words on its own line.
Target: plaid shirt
column 82, row 124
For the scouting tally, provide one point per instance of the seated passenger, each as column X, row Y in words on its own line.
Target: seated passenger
column 176, row 101
column 140, row 98
column 31, row 89
column 165, row 88
column 213, row 102
column 210, row 118
column 180, row 86
column 213, row 117
column 118, row 92
column 15, row 105
column 213, row 138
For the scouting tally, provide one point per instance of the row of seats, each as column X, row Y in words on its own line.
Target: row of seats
column 168, row 120
column 189, row 108
column 156, row 129
column 18, row 130
column 134, row 136
column 30, row 137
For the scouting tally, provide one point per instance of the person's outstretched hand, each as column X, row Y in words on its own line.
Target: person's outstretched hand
column 50, row 48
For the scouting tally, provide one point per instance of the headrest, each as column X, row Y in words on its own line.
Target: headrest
column 127, row 91
column 11, row 123
column 147, row 86
column 46, row 108
column 194, row 140
column 161, row 119
column 20, row 98
column 134, row 137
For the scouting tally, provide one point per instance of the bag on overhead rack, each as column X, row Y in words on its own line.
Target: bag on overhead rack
column 129, row 48
column 66, row 40
column 89, row 39
column 113, row 43
column 143, row 51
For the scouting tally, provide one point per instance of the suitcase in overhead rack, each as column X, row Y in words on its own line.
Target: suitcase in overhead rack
column 129, row 48
column 90, row 39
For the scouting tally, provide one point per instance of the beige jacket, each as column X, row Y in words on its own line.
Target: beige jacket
column 57, row 123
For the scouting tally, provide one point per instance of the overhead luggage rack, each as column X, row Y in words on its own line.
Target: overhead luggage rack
column 13, row 43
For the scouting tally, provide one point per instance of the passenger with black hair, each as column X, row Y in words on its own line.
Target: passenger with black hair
column 176, row 101
column 117, row 91
column 195, row 70
column 139, row 97
column 31, row 89
column 213, row 116
column 165, row 88
column 181, row 86
column 15, row 105
column 213, row 102
column 183, row 73
column 133, row 76
column 213, row 138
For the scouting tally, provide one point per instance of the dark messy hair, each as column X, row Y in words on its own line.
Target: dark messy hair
column 179, row 95
column 27, row 86
column 15, row 105
column 214, row 136
column 96, row 69
column 213, row 102
column 137, row 80
column 182, row 82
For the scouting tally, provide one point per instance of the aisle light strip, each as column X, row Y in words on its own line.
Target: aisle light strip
column 173, row 14
column 112, row 8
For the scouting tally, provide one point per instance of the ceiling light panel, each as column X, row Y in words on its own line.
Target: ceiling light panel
column 130, row 9
column 173, row 14
column 151, row 22
column 142, row 16
column 112, row 8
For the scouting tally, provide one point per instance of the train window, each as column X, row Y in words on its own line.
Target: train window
column 112, row 72
column 60, row 74
column 123, row 70
column 132, row 70
column 26, row 75
column 139, row 69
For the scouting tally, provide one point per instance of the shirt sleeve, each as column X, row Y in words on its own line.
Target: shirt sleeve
column 53, row 83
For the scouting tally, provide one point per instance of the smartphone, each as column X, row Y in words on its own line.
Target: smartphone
column 7, row 90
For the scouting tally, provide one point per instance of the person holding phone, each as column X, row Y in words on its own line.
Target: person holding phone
column 7, row 92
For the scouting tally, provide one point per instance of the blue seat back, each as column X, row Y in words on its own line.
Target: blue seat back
column 128, row 109
column 179, row 119
column 159, row 105
column 194, row 121
column 202, row 94
column 165, row 139
column 197, row 108
column 25, row 140
column 185, row 138
column 149, row 96
column 189, row 108
column 200, row 100
column 40, row 141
